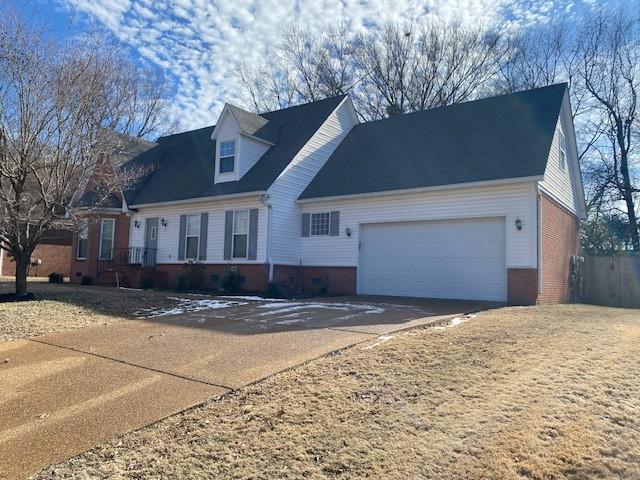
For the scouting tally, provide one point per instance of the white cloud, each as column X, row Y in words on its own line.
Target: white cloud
column 201, row 43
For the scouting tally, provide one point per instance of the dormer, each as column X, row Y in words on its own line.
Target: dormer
column 241, row 139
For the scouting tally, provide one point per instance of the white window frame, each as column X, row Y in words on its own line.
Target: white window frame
column 187, row 236
column 562, row 150
column 233, row 234
column 84, row 227
column 221, row 156
column 316, row 215
column 113, row 238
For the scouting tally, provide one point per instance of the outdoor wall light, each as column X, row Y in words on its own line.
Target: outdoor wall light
column 163, row 222
column 518, row 224
column 348, row 232
column 136, row 223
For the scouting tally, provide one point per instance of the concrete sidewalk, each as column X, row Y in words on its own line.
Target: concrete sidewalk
column 64, row 393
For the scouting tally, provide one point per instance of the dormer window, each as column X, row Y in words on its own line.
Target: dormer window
column 227, row 156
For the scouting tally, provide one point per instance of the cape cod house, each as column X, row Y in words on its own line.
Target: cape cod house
column 479, row 200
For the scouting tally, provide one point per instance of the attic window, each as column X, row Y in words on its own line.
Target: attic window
column 563, row 150
column 227, row 156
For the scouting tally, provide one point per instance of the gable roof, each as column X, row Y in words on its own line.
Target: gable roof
column 255, row 125
column 184, row 161
column 496, row 138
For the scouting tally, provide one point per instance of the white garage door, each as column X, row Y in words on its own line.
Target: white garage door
column 460, row 259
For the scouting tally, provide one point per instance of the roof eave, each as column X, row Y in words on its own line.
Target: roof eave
column 209, row 198
column 488, row 183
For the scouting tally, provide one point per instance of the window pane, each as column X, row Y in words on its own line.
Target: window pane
column 107, row 229
column 193, row 225
column 82, row 248
column 240, row 246
column 227, row 164
column 320, row 224
column 241, row 222
column 228, row 149
column 83, row 235
column 105, row 249
column 192, row 247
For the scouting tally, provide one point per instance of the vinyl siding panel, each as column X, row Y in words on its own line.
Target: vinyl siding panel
column 508, row 201
column 285, row 223
column 251, row 151
column 563, row 185
column 168, row 236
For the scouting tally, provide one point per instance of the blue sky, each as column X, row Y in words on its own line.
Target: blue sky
column 199, row 44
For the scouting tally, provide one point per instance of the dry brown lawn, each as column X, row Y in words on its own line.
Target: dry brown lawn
column 67, row 307
column 515, row 393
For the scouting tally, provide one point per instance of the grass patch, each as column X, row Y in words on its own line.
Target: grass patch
column 515, row 393
column 60, row 307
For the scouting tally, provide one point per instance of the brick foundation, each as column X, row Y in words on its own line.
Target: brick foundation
column 52, row 259
column 316, row 280
column 560, row 240
column 522, row 286
column 255, row 277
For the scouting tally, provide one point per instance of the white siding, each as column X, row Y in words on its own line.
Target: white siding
column 251, row 150
column 285, row 226
column 227, row 130
column 509, row 201
column 564, row 185
column 168, row 236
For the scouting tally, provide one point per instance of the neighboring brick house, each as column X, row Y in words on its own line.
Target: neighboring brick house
column 52, row 255
column 479, row 200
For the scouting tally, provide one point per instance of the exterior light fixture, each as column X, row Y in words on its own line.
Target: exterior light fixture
column 136, row 223
column 163, row 222
column 518, row 224
column 348, row 232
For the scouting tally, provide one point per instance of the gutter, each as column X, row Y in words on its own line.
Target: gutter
column 210, row 198
column 407, row 191
column 264, row 199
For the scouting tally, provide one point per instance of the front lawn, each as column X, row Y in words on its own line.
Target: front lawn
column 67, row 307
column 515, row 393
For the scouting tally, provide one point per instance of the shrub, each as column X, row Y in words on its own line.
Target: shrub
column 56, row 277
column 86, row 280
column 231, row 282
column 146, row 283
column 193, row 278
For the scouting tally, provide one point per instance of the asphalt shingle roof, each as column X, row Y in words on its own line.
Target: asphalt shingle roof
column 502, row 137
column 184, row 162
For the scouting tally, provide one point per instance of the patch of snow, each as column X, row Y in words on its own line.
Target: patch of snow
column 381, row 339
column 187, row 305
column 454, row 322
column 251, row 298
column 132, row 289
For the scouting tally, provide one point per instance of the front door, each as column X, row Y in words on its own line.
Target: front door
column 150, row 241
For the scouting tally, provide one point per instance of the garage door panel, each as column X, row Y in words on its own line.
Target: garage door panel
column 441, row 259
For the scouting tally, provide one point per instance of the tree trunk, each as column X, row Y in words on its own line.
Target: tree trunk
column 627, row 194
column 22, row 268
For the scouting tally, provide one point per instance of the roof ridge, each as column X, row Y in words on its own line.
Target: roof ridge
column 467, row 102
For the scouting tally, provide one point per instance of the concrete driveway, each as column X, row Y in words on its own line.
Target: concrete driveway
column 63, row 393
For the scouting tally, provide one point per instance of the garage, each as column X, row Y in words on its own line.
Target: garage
column 458, row 259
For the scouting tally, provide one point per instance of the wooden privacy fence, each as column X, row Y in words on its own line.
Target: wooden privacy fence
column 611, row 281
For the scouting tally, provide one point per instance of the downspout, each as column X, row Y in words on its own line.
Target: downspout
column 539, row 235
column 264, row 199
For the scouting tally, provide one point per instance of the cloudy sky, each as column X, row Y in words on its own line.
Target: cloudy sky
column 199, row 44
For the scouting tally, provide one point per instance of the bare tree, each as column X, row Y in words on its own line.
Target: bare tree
column 609, row 68
column 389, row 70
column 58, row 104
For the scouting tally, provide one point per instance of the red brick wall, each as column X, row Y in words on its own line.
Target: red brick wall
column 54, row 258
column 316, row 280
column 522, row 286
column 560, row 240
column 80, row 268
column 256, row 276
